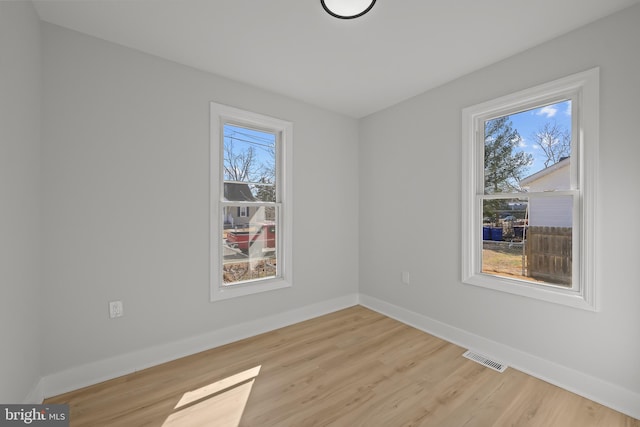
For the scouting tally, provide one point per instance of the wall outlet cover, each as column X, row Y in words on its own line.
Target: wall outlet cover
column 115, row 309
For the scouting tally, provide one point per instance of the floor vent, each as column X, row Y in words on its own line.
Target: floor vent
column 496, row 366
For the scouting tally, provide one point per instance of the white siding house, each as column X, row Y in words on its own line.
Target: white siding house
column 550, row 212
column 238, row 216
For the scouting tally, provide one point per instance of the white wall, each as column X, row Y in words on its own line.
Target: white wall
column 20, row 89
column 126, row 202
column 410, row 174
column 551, row 212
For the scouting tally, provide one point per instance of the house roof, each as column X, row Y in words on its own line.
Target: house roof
column 566, row 161
column 238, row 192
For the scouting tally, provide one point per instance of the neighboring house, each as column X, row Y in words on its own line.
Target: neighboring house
column 550, row 212
column 238, row 216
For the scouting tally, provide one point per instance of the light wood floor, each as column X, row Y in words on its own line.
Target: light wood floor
column 354, row 367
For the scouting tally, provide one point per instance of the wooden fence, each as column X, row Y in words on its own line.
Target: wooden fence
column 548, row 253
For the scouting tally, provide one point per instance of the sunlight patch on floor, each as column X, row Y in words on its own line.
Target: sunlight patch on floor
column 221, row 403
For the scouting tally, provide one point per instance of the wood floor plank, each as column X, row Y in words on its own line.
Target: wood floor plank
column 354, row 367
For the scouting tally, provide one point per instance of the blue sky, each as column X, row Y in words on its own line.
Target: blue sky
column 263, row 144
column 528, row 122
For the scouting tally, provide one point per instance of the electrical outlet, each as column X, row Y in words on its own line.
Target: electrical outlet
column 405, row 277
column 115, row 309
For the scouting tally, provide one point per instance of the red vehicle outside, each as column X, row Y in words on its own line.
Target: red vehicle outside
column 243, row 238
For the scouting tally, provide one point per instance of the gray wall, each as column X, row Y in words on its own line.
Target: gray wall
column 126, row 201
column 20, row 96
column 410, row 178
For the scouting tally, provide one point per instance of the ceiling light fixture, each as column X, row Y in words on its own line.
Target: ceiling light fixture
column 347, row 9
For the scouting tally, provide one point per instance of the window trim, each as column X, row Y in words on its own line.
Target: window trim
column 583, row 87
column 220, row 115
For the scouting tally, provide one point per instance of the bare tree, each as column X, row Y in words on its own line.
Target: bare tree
column 246, row 165
column 267, row 170
column 554, row 141
column 238, row 166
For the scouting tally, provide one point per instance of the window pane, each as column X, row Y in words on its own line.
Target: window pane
column 503, row 231
column 529, row 240
column 249, row 156
column 528, row 150
column 505, row 213
column 249, row 243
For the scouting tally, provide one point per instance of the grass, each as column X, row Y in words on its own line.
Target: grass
column 503, row 261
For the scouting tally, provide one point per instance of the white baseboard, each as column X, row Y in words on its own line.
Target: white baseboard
column 106, row 369
column 605, row 393
column 36, row 395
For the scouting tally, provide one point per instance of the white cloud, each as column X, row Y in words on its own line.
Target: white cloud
column 549, row 111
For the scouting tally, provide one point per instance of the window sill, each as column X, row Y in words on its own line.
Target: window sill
column 548, row 293
column 219, row 293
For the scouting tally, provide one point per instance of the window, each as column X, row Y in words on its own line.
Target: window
column 529, row 188
column 250, row 207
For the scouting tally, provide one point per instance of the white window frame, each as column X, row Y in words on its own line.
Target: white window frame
column 583, row 89
column 221, row 115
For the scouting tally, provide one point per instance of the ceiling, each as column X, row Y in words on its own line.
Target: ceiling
column 355, row 67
